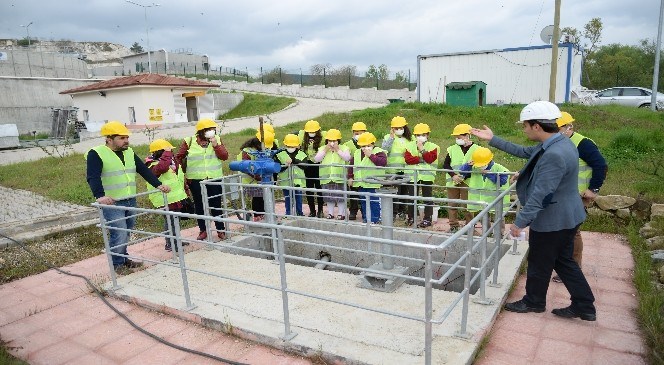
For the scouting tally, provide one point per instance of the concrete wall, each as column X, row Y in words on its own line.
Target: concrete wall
column 27, row 101
column 32, row 63
column 224, row 102
column 321, row 92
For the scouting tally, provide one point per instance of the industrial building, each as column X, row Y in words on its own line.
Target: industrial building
column 512, row 75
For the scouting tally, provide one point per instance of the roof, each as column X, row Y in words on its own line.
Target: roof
column 140, row 80
column 463, row 85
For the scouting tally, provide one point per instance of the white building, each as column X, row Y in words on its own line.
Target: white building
column 513, row 75
column 146, row 99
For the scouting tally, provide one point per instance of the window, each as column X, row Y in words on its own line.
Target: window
column 86, row 116
column 132, row 115
column 608, row 93
column 628, row 91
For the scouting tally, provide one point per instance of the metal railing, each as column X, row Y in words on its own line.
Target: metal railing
column 232, row 190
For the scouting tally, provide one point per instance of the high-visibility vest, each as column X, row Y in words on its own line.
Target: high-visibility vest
column 202, row 163
column 351, row 146
column 310, row 151
column 481, row 189
column 332, row 174
column 395, row 156
column 585, row 171
column 457, row 158
column 363, row 169
column 297, row 172
column 118, row 179
column 425, row 171
column 247, row 179
column 174, row 181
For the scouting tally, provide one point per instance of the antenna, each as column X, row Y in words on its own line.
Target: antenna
column 546, row 35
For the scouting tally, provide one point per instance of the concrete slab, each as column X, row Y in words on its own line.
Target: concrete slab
column 335, row 331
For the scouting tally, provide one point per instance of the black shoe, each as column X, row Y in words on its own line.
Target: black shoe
column 570, row 313
column 312, row 214
column 320, row 214
column 168, row 248
column 424, row 224
column 521, row 307
column 352, row 217
column 132, row 264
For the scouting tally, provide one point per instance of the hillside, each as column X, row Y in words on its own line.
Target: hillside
column 95, row 52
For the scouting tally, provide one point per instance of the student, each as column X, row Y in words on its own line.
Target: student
column 331, row 156
column 248, row 149
column 364, row 162
column 423, row 155
column 457, row 155
column 358, row 128
column 161, row 162
column 289, row 160
column 395, row 144
column 311, row 138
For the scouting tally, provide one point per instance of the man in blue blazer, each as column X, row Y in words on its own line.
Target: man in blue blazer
column 547, row 187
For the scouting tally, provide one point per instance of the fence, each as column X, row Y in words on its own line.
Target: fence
column 391, row 246
column 36, row 63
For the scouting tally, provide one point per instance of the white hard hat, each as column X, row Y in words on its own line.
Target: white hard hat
column 540, row 110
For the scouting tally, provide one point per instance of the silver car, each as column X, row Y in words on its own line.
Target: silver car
column 629, row 96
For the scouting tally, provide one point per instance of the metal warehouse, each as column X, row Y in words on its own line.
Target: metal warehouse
column 512, row 75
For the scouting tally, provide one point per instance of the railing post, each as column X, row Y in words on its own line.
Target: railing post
column 183, row 266
column 107, row 246
column 498, row 238
column 428, row 308
column 288, row 335
column 466, row 285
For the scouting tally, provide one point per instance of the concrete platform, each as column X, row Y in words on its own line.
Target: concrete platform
column 333, row 331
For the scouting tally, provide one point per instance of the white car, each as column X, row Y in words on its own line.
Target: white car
column 629, row 96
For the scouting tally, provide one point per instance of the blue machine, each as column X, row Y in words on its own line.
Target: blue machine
column 262, row 165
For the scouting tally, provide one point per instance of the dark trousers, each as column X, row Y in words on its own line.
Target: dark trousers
column 353, row 202
column 214, row 203
column 553, row 250
column 258, row 205
column 400, row 206
column 427, row 191
column 312, row 176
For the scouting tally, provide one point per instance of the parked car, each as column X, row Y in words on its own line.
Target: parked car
column 629, row 96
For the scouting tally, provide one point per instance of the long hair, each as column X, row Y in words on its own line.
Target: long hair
column 407, row 134
column 252, row 143
column 316, row 140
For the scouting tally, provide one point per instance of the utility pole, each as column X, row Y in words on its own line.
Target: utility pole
column 655, row 75
column 27, row 29
column 554, row 53
column 147, row 32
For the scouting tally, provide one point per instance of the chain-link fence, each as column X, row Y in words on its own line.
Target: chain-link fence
column 33, row 62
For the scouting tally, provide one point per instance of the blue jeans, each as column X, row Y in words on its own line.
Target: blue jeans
column 298, row 201
column 116, row 237
column 374, row 205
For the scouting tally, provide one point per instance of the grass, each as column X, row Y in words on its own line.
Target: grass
column 6, row 358
column 257, row 104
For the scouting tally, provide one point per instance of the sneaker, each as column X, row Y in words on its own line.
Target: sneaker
column 168, row 248
column 132, row 264
column 221, row 235
column 454, row 229
column 312, row 214
column 202, row 236
column 340, row 217
column 424, row 224
column 409, row 222
column 568, row 312
column 352, row 217
column 320, row 214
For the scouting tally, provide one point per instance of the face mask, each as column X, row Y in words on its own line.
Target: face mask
column 312, row 135
column 291, row 149
column 368, row 148
column 421, row 139
column 398, row 132
column 356, row 136
column 460, row 141
column 332, row 143
column 480, row 167
column 209, row 134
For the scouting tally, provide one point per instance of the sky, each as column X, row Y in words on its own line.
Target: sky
column 299, row 34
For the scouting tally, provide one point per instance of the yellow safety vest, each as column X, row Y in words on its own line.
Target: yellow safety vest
column 174, row 181
column 481, row 189
column 202, row 163
column 351, row 146
column 298, row 173
column 395, row 158
column 425, row 171
column 457, row 158
column 363, row 169
column 310, row 151
column 585, row 171
column 118, row 179
column 329, row 173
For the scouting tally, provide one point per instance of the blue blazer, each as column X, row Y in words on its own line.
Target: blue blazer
column 547, row 188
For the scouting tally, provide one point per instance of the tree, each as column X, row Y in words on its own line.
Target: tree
column 380, row 73
column 592, row 31
column 136, row 48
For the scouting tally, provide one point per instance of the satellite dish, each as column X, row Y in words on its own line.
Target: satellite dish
column 546, row 35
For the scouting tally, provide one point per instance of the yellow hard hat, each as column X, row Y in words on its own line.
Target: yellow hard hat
column 398, row 122
column 366, row 139
column 269, row 138
column 333, row 135
column 311, row 126
column 160, row 144
column 205, row 124
column 565, row 119
column 461, row 129
column 359, row 126
column 482, row 156
column 291, row 140
column 267, row 127
column 114, row 128
column 421, row 128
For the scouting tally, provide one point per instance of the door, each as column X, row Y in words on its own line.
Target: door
column 192, row 109
column 132, row 115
